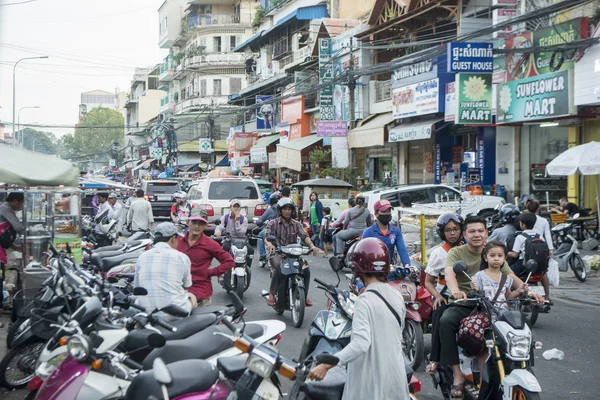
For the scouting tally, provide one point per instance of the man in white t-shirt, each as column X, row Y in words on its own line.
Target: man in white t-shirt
column 542, row 226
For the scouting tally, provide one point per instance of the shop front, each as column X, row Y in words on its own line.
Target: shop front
column 418, row 104
column 259, row 153
column 587, row 99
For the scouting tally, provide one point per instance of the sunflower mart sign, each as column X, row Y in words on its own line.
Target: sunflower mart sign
column 540, row 97
column 474, row 98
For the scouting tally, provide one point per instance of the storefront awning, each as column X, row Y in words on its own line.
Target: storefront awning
column 144, row 164
column 289, row 154
column 415, row 131
column 266, row 141
column 370, row 133
column 247, row 42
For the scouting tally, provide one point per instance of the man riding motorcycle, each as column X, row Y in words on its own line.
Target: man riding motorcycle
column 357, row 220
column 508, row 215
column 235, row 225
column 286, row 231
column 180, row 211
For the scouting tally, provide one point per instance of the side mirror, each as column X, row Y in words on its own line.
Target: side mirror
column 531, row 266
column 335, row 264
column 175, row 311
column 140, row 291
column 460, row 268
column 156, row 340
column 237, row 302
column 271, row 238
column 161, row 372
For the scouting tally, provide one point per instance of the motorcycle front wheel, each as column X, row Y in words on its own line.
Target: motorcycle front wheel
column 413, row 344
column 239, row 286
column 18, row 365
column 298, row 302
column 531, row 313
column 578, row 267
column 521, row 394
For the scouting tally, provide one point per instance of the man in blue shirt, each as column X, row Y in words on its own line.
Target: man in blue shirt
column 388, row 234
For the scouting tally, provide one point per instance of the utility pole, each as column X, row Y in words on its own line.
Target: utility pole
column 352, row 88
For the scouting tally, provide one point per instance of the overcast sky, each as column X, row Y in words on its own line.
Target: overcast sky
column 91, row 45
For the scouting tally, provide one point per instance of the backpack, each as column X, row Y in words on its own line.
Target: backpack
column 536, row 249
column 227, row 220
column 7, row 234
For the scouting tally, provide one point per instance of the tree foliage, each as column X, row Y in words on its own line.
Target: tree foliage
column 94, row 135
column 42, row 142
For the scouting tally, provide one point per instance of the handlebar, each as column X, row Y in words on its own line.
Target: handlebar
column 229, row 324
column 320, row 282
column 128, row 362
column 163, row 324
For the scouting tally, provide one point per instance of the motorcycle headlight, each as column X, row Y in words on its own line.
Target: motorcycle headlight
column 519, row 346
column 261, row 364
column 347, row 304
column 45, row 369
column 79, row 347
column 239, row 254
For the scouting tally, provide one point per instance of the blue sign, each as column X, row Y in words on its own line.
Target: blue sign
column 264, row 113
column 470, row 57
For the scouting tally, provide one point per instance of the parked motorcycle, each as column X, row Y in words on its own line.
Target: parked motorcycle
column 291, row 294
column 507, row 372
column 567, row 255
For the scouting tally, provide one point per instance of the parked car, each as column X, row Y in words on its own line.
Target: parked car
column 436, row 199
column 160, row 194
column 214, row 195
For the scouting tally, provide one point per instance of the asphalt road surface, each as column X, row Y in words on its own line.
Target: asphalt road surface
column 570, row 327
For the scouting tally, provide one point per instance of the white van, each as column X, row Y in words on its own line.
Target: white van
column 214, row 195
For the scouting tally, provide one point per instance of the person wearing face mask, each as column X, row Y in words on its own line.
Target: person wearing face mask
column 388, row 234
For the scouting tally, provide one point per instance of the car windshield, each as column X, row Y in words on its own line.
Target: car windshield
column 227, row 190
column 162, row 188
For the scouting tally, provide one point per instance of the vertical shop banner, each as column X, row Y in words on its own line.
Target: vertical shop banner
column 474, row 98
column 480, row 147
column 243, row 141
column 438, row 163
column 339, row 152
column 450, row 109
column 325, row 75
column 273, row 160
column 501, row 15
column 265, row 113
column 539, row 97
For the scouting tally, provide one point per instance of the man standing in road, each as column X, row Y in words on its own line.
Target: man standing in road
column 140, row 216
column 202, row 250
column 476, row 235
column 9, row 227
column 165, row 272
column 116, row 208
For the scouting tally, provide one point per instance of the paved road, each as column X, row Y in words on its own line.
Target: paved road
column 571, row 327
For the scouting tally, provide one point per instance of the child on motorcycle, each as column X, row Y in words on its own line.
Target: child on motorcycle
column 489, row 279
column 450, row 229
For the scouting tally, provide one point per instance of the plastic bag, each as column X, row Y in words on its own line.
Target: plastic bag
column 553, row 275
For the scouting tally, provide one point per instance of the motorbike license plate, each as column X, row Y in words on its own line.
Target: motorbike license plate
column 537, row 290
column 267, row 391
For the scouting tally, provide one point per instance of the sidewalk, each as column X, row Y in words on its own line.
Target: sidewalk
column 570, row 289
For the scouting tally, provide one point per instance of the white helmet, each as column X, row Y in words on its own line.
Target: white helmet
column 286, row 202
column 180, row 195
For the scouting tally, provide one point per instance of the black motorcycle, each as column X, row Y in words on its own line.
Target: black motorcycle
column 291, row 294
column 335, row 260
column 238, row 278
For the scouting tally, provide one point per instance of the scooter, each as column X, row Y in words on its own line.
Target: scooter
column 507, row 371
column 567, row 255
column 347, row 244
column 291, row 294
column 238, row 278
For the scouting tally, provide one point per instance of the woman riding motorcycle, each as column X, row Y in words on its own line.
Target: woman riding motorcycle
column 449, row 229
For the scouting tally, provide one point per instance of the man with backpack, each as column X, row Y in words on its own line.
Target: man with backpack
column 529, row 245
column 10, row 226
column 235, row 225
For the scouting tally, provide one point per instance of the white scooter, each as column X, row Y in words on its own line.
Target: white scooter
column 567, row 254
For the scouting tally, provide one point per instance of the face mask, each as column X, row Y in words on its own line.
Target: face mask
column 385, row 219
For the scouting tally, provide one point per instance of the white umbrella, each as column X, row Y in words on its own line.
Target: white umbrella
column 584, row 158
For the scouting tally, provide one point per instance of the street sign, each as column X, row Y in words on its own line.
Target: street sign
column 205, row 146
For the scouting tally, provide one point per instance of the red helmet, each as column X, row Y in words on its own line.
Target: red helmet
column 369, row 256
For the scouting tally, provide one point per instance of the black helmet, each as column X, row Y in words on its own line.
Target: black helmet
column 443, row 221
column 273, row 199
column 351, row 201
column 509, row 213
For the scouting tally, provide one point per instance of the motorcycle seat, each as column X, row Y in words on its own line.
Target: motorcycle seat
column 329, row 388
column 200, row 346
column 133, row 243
column 108, row 262
column 188, row 376
column 232, row 367
column 109, row 248
column 209, row 310
column 96, row 258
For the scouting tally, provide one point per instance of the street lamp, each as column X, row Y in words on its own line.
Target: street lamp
column 34, row 140
column 19, row 123
column 14, row 94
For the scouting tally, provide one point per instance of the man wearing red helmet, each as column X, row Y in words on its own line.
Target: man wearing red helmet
column 374, row 356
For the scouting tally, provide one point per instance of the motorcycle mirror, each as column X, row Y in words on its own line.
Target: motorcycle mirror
column 237, row 302
column 328, row 359
column 112, row 279
column 161, row 372
column 217, row 221
column 460, row 268
column 174, row 310
column 335, row 264
column 531, row 266
column 156, row 340
column 140, row 291
column 68, row 248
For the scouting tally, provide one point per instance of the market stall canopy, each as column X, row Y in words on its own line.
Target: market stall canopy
column 144, row 164
column 24, row 167
column 95, row 182
column 326, row 182
column 370, row 132
column 584, row 158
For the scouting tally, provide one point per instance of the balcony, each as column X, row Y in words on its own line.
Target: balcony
column 197, row 103
column 298, row 57
column 214, row 59
column 166, row 71
column 281, row 48
column 208, row 20
column 166, row 105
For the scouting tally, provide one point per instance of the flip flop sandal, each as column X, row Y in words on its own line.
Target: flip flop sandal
column 456, row 392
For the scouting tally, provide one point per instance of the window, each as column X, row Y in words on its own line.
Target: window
column 235, row 85
column 162, row 188
column 418, row 196
column 444, row 194
column 217, row 44
column 393, row 198
column 152, row 83
column 203, row 88
column 232, row 42
column 195, row 193
column 227, row 190
column 217, row 89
